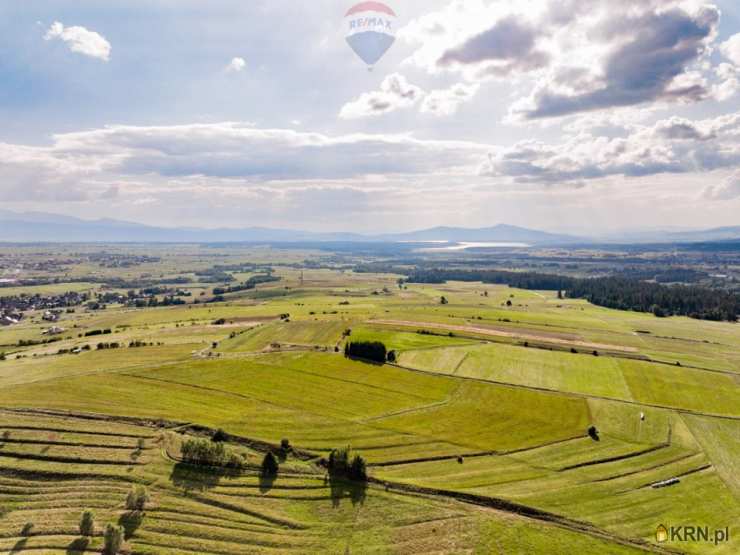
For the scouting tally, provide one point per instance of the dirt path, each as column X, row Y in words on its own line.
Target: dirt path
column 501, row 333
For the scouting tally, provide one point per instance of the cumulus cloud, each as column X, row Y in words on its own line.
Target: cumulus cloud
column 80, row 40
column 507, row 46
column 669, row 146
column 646, row 58
column 578, row 56
column 445, row 102
column 236, row 65
column 395, row 93
column 730, row 49
column 231, row 151
column 729, row 189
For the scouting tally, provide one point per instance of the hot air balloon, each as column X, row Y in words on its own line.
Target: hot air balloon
column 370, row 30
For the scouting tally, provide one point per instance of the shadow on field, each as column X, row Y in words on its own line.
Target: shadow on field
column 77, row 547
column 19, row 546
column 130, row 522
column 198, row 478
column 347, row 489
column 266, row 482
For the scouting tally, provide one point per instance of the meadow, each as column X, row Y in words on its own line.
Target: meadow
column 510, row 421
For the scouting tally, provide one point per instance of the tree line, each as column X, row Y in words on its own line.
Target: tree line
column 611, row 292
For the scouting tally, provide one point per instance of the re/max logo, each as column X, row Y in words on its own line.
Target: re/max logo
column 370, row 22
column 693, row 534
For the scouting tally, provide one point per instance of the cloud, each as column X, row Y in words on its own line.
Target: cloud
column 80, row 40
column 730, row 49
column 577, row 57
column 675, row 146
column 395, row 93
column 509, row 45
column 236, row 65
column 728, row 190
column 646, row 58
column 231, row 150
column 445, row 102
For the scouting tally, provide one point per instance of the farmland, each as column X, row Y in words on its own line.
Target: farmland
column 507, row 421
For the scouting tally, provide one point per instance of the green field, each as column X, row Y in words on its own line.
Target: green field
column 477, row 438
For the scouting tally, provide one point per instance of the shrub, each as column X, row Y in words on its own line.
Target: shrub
column 209, row 453
column 369, row 350
column 137, row 498
column 202, row 451
column 269, row 465
column 358, row 469
column 233, row 460
column 2, row 356
column 113, row 539
column 391, row 356
column 87, row 523
column 443, row 300
column 219, row 435
column 339, row 465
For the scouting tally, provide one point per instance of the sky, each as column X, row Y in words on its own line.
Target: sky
column 581, row 116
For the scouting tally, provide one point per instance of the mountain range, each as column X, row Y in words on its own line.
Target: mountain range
column 45, row 227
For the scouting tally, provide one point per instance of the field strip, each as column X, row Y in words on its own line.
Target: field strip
column 500, row 333
column 524, row 511
column 614, row 459
column 406, row 411
column 569, row 393
column 686, row 473
column 647, row 469
column 495, row 503
column 70, row 444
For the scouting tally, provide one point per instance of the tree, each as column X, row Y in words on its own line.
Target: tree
column 219, row 435
column 137, row 498
column 87, row 523
column 369, row 350
column 443, row 300
column 269, row 465
column 358, row 469
column 113, row 539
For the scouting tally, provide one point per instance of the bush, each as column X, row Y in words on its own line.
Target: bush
column 113, row 539
column 391, row 356
column 2, row 356
column 358, row 469
column 137, row 498
column 219, row 435
column 339, row 465
column 269, row 465
column 369, row 350
column 87, row 523
column 202, row 451
column 209, row 453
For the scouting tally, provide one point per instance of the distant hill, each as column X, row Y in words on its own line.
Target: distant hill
column 43, row 227
column 502, row 233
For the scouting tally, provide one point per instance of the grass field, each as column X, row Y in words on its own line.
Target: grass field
column 477, row 439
